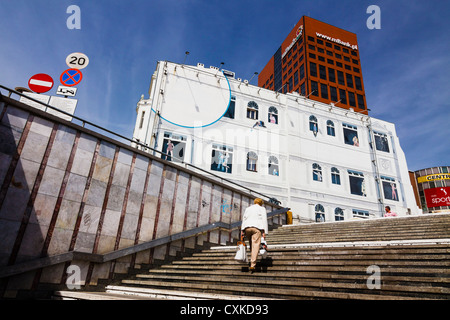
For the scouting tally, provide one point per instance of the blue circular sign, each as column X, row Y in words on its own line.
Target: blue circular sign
column 71, row 77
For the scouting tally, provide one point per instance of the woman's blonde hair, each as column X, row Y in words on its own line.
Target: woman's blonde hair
column 259, row 201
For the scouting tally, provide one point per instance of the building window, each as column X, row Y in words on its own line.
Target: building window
column 350, row 135
column 331, row 75
column 141, row 123
column 349, row 78
column 358, row 83
column 174, row 147
column 252, row 110
column 338, row 214
column 324, row 91
column 313, row 124
column 230, row 111
column 360, row 101
column 381, row 141
column 322, row 72
column 313, row 69
column 273, row 115
column 335, row 176
column 333, row 94
column 320, row 213
column 343, row 96
column 330, row 128
column 317, row 172
column 303, row 89
column 295, row 78
column 389, row 188
column 357, row 183
column 273, row 166
column 252, row 159
column 360, row 214
column 351, row 99
column 340, row 77
column 222, row 158
column 302, row 72
column 314, row 88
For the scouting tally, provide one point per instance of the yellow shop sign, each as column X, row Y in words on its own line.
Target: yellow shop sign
column 433, row 177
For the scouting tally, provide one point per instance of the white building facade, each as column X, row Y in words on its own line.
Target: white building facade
column 323, row 162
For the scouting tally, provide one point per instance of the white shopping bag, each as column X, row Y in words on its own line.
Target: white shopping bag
column 263, row 248
column 241, row 254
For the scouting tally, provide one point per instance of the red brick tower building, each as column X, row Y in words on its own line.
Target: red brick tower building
column 320, row 62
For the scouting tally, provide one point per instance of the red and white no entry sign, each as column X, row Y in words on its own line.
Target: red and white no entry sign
column 40, row 83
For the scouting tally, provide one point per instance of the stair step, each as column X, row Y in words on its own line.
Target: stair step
column 295, row 292
column 83, row 295
column 172, row 294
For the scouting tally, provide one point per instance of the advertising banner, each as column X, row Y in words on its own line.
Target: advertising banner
column 437, row 197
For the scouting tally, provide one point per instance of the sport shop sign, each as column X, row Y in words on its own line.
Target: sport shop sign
column 437, row 197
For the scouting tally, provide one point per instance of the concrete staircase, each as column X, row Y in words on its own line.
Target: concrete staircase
column 397, row 258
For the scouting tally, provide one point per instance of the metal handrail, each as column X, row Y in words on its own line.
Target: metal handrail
column 271, row 199
column 39, row 263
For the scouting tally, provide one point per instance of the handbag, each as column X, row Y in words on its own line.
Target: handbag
column 241, row 253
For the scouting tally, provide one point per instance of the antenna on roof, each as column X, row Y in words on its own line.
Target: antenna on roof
column 253, row 76
column 185, row 57
column 218, row 69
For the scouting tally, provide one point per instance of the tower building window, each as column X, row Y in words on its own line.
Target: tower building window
column 335, row 176
column 274, row 170
column 338, row 214
column 273, row 115
column 252, row 110
column 252, row 159
column 317, row 172
column 320, row 213
column 330, row 128
column 313, row 126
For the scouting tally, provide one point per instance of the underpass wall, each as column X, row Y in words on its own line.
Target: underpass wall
column 65, row 188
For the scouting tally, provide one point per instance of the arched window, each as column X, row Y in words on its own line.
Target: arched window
column 335, row 176
column 330, row 128
column 252, row 110
column 317, row 172
column 338, row 214
column 313, row 126
column 273, row 115
column 252, row 159
column 273, row 166
column 320, row 213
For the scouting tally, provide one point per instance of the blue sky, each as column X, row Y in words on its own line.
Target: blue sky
column 405, row 64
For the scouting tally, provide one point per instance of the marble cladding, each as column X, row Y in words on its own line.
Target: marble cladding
column 64, row 189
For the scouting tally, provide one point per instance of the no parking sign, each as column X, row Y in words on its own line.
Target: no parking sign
column 71, row 77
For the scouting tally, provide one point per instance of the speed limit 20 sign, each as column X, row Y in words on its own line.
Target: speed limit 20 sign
column 77, row 60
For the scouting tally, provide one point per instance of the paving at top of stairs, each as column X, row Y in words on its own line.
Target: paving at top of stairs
column 381, row 229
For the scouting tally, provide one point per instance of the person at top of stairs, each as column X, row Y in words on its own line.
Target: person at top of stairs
column 254, row 225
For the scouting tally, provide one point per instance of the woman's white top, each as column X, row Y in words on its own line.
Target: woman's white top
column 255, row 216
